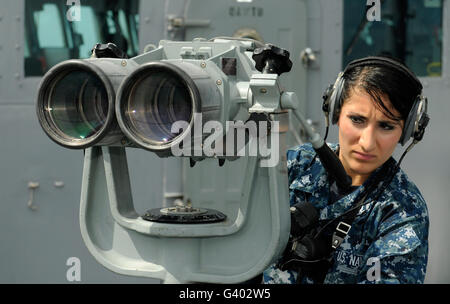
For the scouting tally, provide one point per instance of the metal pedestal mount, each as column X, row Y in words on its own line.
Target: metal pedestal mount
column 202, row 244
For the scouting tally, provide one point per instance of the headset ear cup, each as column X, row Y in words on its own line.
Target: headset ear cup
column 411, row 122
column 423, row 122
column 326, row 100
column 422, row 119
column 336, row 99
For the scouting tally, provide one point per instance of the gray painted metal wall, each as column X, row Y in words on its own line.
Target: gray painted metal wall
column 35, row 245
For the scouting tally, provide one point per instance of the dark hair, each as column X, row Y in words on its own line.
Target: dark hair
column 379, row 80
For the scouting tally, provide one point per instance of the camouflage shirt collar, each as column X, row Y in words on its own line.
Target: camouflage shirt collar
column 318, row 184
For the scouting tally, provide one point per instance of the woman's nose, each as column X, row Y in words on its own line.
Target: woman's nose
column 367, row 139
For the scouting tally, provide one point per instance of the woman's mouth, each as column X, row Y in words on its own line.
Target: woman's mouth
column 363, row 156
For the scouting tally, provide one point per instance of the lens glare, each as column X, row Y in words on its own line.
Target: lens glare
column 77, row 104
column 155, row 103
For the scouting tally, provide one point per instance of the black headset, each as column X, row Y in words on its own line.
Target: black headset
column 417, row 119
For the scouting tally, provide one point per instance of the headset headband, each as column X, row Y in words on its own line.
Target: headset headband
column 384, row 61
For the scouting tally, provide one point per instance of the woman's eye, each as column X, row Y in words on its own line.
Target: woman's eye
column 356, row 119
column 386, row 126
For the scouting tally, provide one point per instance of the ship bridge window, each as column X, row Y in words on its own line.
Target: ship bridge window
column 409, row 30
column 56, row 31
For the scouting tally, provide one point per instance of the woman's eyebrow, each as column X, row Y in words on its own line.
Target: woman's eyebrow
column 356, row 114
column 387, row 120
column 390, row 121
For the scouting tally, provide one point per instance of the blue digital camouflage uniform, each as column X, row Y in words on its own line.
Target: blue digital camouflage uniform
column 388, row 240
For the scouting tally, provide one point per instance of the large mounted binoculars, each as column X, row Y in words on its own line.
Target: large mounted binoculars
column 112, row 101
column 205, row 100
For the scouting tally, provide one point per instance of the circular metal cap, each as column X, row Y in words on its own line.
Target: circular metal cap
column 184, row 215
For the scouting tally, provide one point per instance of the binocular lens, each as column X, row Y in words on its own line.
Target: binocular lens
column 77, row 105
column 155, row 103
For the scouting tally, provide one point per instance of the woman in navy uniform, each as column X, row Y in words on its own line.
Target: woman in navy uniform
column 376, row 103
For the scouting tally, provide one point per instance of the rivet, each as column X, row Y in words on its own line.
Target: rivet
column 58, row 184
column 263, row 90
column 124, row 63
column 203, row 65
column 33, row 185
column 219, row 82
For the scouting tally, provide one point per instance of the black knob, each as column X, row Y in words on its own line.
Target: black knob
column 271, row 59
column 109, row 50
